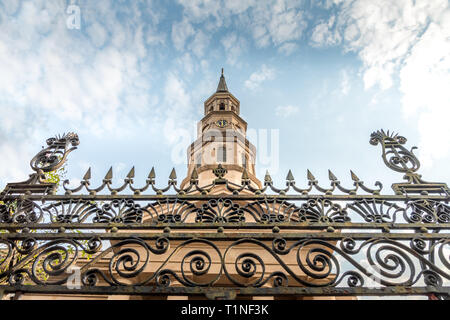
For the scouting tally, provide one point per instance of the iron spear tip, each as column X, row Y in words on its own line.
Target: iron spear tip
column 331, row 176
column 194, row 174
column 173, row 175
column 131, row 173
column 109, row 174
column 290, row 176
column 354, row 176
column 152, row 174
column 87, row 175
column 310, row 176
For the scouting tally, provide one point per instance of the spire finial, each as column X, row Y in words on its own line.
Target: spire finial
column 222, row 87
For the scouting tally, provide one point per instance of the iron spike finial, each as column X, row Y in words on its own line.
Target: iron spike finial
column 173, row 175
column 290, row 176
column 267, row 177
column 310, row 176
column 152, row 174
column 87, row 175
column 109, row 174
column 131, row 173
column 331, row 176
column 194, row 175
column 354, row 176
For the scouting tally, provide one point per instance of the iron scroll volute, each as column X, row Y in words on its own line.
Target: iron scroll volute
column 55, row 155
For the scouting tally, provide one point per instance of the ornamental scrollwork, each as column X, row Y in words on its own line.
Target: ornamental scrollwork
column 400, row 159
column 322, row 210
column 120, row 211
column 375, row 210
column 395, row 155
column 427, row 211
column 72, row 211
column 220, row 211
column 272, row 210
column 20, row 212
column 169, row 211
column 54, row 156
column 225, row 236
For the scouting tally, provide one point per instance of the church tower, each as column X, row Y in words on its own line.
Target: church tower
column 221, row 140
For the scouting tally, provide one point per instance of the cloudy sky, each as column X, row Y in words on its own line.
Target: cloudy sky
column 314, row 78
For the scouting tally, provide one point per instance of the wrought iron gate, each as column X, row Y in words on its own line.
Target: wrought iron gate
column 294, row 241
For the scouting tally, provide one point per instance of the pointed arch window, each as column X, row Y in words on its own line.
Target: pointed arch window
column 222, row 106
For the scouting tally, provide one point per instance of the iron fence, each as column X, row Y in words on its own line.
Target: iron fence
column 293, row 241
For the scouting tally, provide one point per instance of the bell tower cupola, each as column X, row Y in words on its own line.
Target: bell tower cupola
column 222, row 99
column 221, row 139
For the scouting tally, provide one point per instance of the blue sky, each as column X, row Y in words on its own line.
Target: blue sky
column 131, row 79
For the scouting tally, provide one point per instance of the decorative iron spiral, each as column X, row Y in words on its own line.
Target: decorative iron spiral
column 54, row 156
column 394, row 265
column 126, row 263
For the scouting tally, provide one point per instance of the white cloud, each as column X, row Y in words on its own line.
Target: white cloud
column 199, row 44
column 181, row 31
column 234, row 46
column 345, row 82
column 268, row 22
column 288, row 48
column 259, row 77
column 98, row 34
column 179, row 108
column 239, row 6
column 53, row 75
column 276, row 22
column 402, row 41
column 286, row 111
column 425, row 79
column 200, row 9
column 323, row 34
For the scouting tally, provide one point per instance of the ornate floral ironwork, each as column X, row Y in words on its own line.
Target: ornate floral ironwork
column 220, row 211
column 427, row 211
column 252, row 241
column 272, row 210
column 48, row 159
column 322, row 210
column 21, row 212
column 120, row 211
column 245, row 263
column 400, row 159
column 375, row 210
column 54, row 156
column 72, row 211
column 170, row 211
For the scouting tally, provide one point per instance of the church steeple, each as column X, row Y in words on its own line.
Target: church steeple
column 222, row 140
column 222, row 87
column 222, row 99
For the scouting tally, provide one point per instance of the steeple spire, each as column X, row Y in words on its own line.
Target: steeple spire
column 222, row 87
